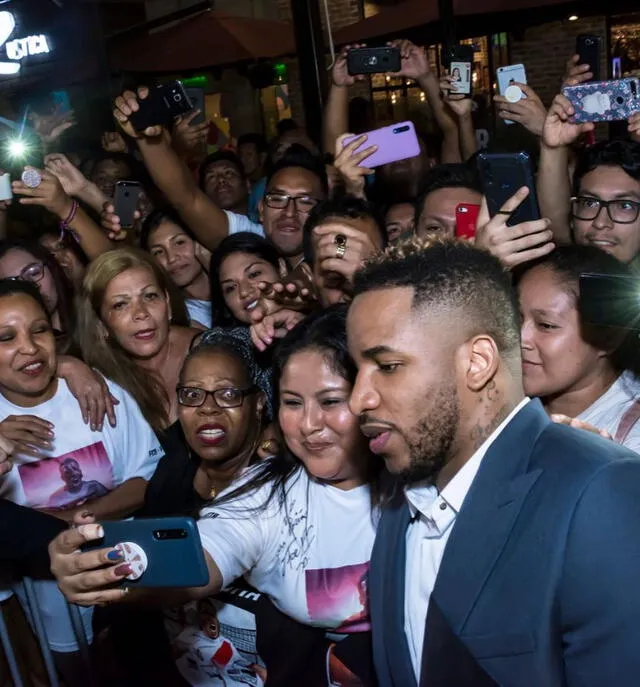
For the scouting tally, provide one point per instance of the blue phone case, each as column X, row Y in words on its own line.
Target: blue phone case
column 604, row 101
column 172, row 561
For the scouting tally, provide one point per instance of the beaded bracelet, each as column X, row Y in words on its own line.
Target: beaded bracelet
column 64, row 224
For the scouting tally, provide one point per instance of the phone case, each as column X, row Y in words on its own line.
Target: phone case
column 502, row 174
column 125, row 201
column 588, row 47
column 457, row 53
column 466, row 220
column 171, row 562
column 396, row 142
column 373, row 60
column 461, row 73
column 514, row 73
column 161, row 106
column 604, row 101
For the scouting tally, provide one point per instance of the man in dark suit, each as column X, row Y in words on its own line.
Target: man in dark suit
column 510, row 554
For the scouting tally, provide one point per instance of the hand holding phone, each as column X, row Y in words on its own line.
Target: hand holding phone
column 588, row 49
column 508, row 78
column 125, row 201
column 382, row 60
column 161, row 106
column 394, row 143
column 604, row 101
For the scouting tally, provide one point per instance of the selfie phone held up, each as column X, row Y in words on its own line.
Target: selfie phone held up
column 610, row 300
column 466, row 220
column 502, row 174
column 125, row 201
column 161, row 106
column 459, row 61
column 588, row 48
column 604, row 101
column 166, row 552
column 396, row 142
column 373, row 60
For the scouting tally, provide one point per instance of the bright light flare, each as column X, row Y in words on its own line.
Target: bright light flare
column 17, row 148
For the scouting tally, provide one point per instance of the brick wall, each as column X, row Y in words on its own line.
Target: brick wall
column 342, row 13
column 545, row 49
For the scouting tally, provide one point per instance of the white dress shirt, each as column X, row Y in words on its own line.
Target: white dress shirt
column 427, row 536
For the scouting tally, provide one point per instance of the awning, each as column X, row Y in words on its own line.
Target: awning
column 392, row 21
column 208, row 39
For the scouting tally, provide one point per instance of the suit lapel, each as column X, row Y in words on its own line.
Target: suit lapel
column 488, row 515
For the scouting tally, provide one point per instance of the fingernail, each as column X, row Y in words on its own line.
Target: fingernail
column 123, row 570
column 114, row 556
column 86, row 514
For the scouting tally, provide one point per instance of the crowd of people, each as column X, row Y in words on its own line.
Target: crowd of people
column 411, row 459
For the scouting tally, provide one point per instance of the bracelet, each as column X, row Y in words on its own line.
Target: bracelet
column 64, row 224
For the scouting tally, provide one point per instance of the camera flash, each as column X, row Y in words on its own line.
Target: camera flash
column 17, row 148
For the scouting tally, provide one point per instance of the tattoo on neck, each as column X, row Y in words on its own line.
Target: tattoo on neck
column 482, row 431
column 492, row 391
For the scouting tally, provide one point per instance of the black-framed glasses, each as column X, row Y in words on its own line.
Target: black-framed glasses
column 620, row 211
column 280, row 201
column 33, row 273
column 230, row 397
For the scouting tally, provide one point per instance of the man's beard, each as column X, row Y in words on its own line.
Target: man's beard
column 431, row 440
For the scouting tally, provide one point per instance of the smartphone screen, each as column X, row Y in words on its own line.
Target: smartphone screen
column 608, row 300
column 461, row 74
column 466, row 220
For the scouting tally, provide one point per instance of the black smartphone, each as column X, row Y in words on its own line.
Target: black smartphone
column 125, row 201
column 161, row 106
column 162, row 552
column 609, row 300
column 589, row 49
column 373, row 60
column 196, row 96
column 502, row 174
column 457, row 53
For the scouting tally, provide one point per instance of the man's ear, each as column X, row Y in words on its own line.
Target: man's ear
column 479, row 359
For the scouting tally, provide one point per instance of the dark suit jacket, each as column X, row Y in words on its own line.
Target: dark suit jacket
column 540, row 580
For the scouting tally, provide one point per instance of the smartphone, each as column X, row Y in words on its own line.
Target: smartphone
column 196, row 96
column 604, row 101
column 609, row 300
column 457, row 53
column 502, row 174
column 396, row 142
column 461, row 75
column 171, row 547
column 125, row 201
column 373, row 60
column 466, row 220
column 5, row 187
column 507, row 76
column 589, row 47
column 161, row 106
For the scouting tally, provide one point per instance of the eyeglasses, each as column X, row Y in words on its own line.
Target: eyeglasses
column 32, row 273
column 619, row 211
column 224, row 398
column 280, row 201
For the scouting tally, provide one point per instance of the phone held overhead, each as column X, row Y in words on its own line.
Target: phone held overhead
column 373, row 60
column 394, row 143
column 161, row 106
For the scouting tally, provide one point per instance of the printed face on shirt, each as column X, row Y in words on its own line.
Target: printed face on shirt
column 136, row 312
column 406, row 393
column 220, row 434
column 240, row 274
column 315, row 419
column 65, row 257
column 27, row 351
column 18, row 263
column 283, row 225
column 622, row 240
column 225, row 185
column 555, row 358
column 175, row 251
column 438, row 215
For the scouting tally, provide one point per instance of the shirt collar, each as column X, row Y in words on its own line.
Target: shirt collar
column 423, row 498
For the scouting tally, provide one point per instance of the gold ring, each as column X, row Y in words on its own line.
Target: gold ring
column 266, row 445
column 340, row 251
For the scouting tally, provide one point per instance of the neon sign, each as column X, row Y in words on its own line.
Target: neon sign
column 19, row 48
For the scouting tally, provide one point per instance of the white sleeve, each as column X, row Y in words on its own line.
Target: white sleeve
column 239, row 223
column 234, row 536
column 137, row 449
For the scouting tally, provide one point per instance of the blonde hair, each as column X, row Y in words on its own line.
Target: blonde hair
column 103, row 352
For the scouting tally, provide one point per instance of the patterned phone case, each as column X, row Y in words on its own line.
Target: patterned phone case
column 604, row 101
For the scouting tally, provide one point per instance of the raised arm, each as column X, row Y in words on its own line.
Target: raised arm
column 172, row 176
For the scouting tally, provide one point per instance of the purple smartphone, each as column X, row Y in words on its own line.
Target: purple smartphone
column 396, row 142
column 604, row 101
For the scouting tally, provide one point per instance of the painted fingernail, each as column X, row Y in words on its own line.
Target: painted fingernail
column 114, row 555
column 123, row 570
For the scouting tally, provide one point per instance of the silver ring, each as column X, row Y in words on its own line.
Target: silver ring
column 31, row 178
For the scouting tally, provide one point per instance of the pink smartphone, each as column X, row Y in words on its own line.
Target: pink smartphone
column 396, row 142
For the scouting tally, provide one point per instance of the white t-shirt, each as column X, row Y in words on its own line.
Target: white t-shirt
column 199, row 311
column 239, row 223
column 311, row 558
column 607, row 412
column 94, row 463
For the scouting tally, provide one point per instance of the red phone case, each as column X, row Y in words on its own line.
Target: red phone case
column 466, row 220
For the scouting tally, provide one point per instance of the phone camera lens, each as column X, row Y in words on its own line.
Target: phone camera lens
column 177, row 97
column 620, row 100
